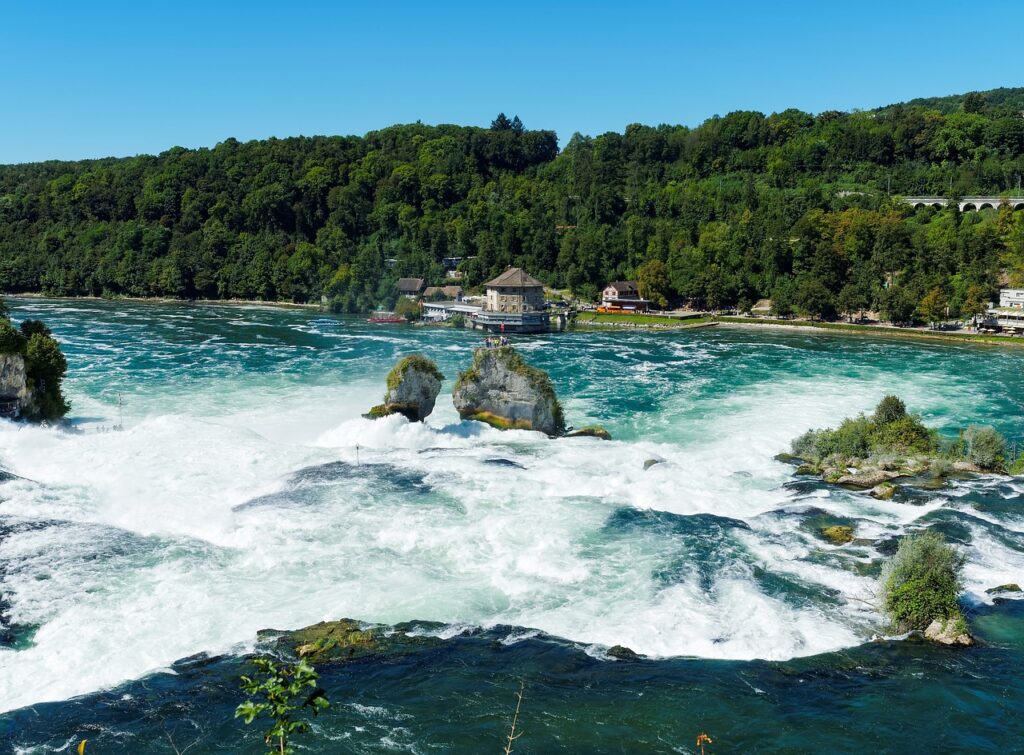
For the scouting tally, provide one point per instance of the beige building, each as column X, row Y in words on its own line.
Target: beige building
column 515, row 292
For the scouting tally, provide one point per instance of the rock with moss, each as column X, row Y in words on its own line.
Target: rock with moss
column 1010, row 587
column 591, row 431
column 32, row 370
column 868, row 451
column 951, row 631
column 883, row 492
column 838, row 534
column 502, row 390
column 345, row 639
column 413, row 385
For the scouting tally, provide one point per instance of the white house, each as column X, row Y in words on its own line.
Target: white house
column 1011, row 298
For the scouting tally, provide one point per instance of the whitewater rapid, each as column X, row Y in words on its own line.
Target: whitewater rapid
column 242, row 501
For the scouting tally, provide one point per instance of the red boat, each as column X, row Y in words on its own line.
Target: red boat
column 385, row 317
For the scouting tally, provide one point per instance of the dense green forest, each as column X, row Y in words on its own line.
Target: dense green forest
column 793, row 206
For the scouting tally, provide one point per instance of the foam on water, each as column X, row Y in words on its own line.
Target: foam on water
column 248, row 497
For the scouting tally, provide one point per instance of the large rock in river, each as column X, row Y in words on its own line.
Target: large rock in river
column 502, row 390
column 413, row 385
column 14, row 384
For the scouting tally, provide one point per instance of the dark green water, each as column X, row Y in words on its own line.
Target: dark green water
column 246, row 492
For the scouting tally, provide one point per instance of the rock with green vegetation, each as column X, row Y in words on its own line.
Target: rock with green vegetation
column 591, row 431
column 413, row 385
column 501, row 389
column 1010, row 587
column 32, row 370
column 838, row 534
column 920, row 586
column 868, row 451
column 883, row 492
column 344, row 640
column 952, row 631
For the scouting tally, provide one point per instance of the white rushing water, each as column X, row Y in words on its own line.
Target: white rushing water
column 189, row 531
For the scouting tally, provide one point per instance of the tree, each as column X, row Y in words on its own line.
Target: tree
column 975, row 302
column 897, row 306
column 933, row 307
column 407, row 308
column 280, row 693
column 890, row 409
column 45, row 367
column 501, row 123
column 852, row 299
column 813, row 298
column 652, row 282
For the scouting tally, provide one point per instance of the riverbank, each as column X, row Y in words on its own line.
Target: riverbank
column 604, row 320
column 843, row 328
column 166, row 300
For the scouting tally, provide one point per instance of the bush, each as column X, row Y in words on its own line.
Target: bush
column 45, row 366
column 906, row 435
column 889, row 409
column 984, row 446
column 922, row 581
column 11, row 341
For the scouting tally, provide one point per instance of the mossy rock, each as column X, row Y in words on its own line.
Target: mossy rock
column 378, row 411
column 838, row 534
column 1003, row 589
column 416, row 361
column 789, row 459
column 591, row 431
column 807, row 469
column 501, row 423
column 622, row 653
column 344, row 640
column 883, row 492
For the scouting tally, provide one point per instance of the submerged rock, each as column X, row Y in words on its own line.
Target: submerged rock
column 413, row 385
column 502, row 390
column 952, row 631
column 591, row 431
column 838, row 534
column 651, row 462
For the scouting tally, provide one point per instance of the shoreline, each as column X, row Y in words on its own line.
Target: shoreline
column 850, row 329
column 166, row 300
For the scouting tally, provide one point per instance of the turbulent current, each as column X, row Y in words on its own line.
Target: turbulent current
column 246, row 491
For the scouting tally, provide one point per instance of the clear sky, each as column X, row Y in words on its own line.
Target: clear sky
column 91, row 79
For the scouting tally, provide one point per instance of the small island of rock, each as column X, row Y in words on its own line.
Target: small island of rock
column 413, row 385
column 501, row 389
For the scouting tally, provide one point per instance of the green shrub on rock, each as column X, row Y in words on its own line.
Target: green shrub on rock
column 922, row 581
column 889, row 409
column 984, row 447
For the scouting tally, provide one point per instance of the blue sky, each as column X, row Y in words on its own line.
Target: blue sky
column 81, row 80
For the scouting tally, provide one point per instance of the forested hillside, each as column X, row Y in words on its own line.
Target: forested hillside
column 745, row 206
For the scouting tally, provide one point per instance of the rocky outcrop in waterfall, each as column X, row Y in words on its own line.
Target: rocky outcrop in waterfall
column 16, row 396
column 413, row 385
column 502, row 390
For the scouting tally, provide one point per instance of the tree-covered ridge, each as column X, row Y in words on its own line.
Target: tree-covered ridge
column 790, row 206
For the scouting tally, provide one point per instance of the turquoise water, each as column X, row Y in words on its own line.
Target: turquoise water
column 247, row 492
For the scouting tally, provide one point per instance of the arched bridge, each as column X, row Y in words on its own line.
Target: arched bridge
column 967, row 204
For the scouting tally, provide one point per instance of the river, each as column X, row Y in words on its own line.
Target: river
column 246, row 491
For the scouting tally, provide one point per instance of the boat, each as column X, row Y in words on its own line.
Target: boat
column 385, row 317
